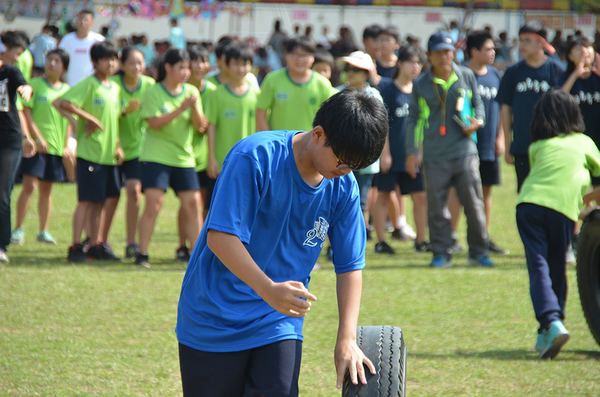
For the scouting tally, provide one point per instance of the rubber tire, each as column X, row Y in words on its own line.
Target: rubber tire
column 588, row 271
column 384, row 346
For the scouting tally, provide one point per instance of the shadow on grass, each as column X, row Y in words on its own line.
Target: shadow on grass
column 124, row 266
column 509, row 355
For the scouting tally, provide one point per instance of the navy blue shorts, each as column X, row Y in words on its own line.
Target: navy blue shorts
column 155, row 175
column 387, row 182
column 131, row 169
column 97, row 182
column 490, row 173
column 271, row 371
column 365, row 181
column 46, row 167
column 206, row 183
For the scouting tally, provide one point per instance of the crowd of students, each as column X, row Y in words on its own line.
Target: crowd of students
column 447, row 122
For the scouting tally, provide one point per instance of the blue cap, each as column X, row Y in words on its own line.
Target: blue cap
column 441, row 40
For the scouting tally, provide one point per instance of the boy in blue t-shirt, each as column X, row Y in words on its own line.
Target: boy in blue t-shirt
column 522, row 86
column 245, row 292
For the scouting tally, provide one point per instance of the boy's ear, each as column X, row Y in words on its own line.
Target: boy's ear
column 317, row 134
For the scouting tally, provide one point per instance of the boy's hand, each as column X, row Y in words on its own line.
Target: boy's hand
column 213, row 170
column 42, row 146
column 412, row 165
column 474, row 126
column 189, row 101
column 349, row 356
column 119, row 155
column 134, row 104
column 508, row 158
column 204, row 126
column 499, row 147
column 25, row 91
column 28, row 147
column 286, row 298
column 67, row 153
column 91, row 126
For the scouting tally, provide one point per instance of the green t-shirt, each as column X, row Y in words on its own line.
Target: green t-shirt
column 172, row 144
column 25, row 65
column 560, row 173
column 131, row 127
column 234, row 117
column 200, row 141
column 52, row 125
column 104, row 103
column 293, row 106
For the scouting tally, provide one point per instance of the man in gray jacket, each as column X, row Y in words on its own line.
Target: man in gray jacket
column 439, row 101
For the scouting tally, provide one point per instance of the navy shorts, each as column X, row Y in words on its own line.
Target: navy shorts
column 131, row 169
column 46, row 167
column 270, row 370
column 365, row 181
column 206, row 183
column 490, row 173
column 97, row 182
column 387, row 182
column 155, row 175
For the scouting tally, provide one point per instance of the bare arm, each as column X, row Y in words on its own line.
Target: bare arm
column 385, row 162
column 261, row 120
column 506, row 119
column 70, row 108
column 35, row 131
column 197, row 119
column 579, row 71
column 28, row 143
column 213, row 166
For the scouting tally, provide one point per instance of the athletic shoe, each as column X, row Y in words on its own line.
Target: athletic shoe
column 456, row 248
column 45, row 237
column 182, row 254
column 132, row 250
column 423, row 247
column 570, row 256
column 3, row 257
column 384, row 248
column 102, row 252
column 555, row 338
column 483, row 261
column 408, row 231
column 76, row 254
column 86, row 244
column 539, row 343
column 440, row 261
column 497, row 250
column 18, row 236
column 142, row 260
column 399, row 234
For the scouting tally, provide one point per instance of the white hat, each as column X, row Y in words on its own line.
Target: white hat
column 360, row 60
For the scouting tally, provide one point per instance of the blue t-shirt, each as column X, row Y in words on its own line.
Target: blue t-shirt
column 261, row 198
column 587, row 94
column 384, row 71
column 396, row 103
column 487, row 85
column 521, row 87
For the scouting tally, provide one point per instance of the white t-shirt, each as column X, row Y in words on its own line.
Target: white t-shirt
column 80, row 65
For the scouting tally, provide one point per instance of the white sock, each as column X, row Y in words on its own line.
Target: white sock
column 402, row 220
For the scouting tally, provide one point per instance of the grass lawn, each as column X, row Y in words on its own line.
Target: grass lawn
column 107, row 330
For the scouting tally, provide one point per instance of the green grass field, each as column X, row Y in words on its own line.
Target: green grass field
column 108, row 329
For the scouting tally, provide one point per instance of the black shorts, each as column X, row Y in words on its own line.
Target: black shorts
column 270, row 371
column 206, row 183
column 46, row 167
column 131, row 169
column 522, row 169
column 490, row 173
column 97, row 182
column 595, row 180
column 155, row 175
column 387, row 182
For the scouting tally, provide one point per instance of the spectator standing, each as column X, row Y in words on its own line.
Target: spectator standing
column 40, row 47
column 277, row 40
column 177, row 36
column 146, row 49
column 389, row 43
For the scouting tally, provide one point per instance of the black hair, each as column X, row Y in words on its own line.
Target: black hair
column 103, row 49
column 70, row 27
column 124, row 55
column 63, row 55
column 391, row 31
column 556, row 113
column 535, row 27
column 238, row 51
column 171, row 56
column 372, row 31
column 477, row 38
column 85, row 12
column 322, row 55
column 406, row 53
column 174, row 22
column 577, row 40
column 303, row 42
column 355, row 125
column 223, row 42
column 198, row 52
column 13, row 39
column 502, row 36
column 277, row 25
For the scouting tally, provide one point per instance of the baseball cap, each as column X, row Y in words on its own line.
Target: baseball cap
column 440, row 41
column 360, row 60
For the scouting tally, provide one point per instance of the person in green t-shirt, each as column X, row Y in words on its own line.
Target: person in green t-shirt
column 231, row 108
column 97, row 102
column 133, row 85
column 221, row 76
column 173, row 111
column 51, row 132
column 561, row 160
column 295, row 93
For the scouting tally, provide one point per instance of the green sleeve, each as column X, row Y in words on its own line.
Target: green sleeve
column 533, row 148
column 79, row 94
column 593, row 159
column 266, row 97
column 31, row 102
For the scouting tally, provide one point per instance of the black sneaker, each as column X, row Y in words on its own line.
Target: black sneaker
column 102, row 252
column 86, row 244
column 497, row 250
column 142, row 260
column 76, row 254
column 384, row 248
column 132, row 250
column 423, row 247
column 399, row 235
column 182, row 254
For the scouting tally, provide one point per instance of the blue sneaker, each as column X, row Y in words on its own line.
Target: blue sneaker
column 539, row 344
column 483, row 261
column 554, row 339
column 440, row 261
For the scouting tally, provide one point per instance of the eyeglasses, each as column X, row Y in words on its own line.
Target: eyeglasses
column 350, row 68
column 300, row 57
column 341, row 165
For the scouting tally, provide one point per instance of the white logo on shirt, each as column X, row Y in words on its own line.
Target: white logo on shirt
column 4, row 98
column 282, row 96
column 402, row 112
column 533, row 85
column 318, row 233
column 487, row 92
column 587, row 97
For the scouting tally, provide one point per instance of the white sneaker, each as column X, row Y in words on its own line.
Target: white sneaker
column 408, row 231
column 571, row 256
column 4, row 257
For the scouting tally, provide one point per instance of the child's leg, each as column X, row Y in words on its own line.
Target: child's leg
column 379, row 213
column 181, row 221
column 276, row 368
column 154, row 202
column 420, row 214
column 108, row 215
column 190, row 207
column 134, row 192
column 44, row 204
column 80, row 218
column 29, row 184
column 95, row 215
column 559, row 236
column 438, row 176
column 487, row 204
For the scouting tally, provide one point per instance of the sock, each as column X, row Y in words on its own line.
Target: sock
column 455, row 236
column 402, row 220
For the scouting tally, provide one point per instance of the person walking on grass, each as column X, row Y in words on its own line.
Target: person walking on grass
column 245, row 292
column 51, row 131
column 561, row 160
column 173, row 111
